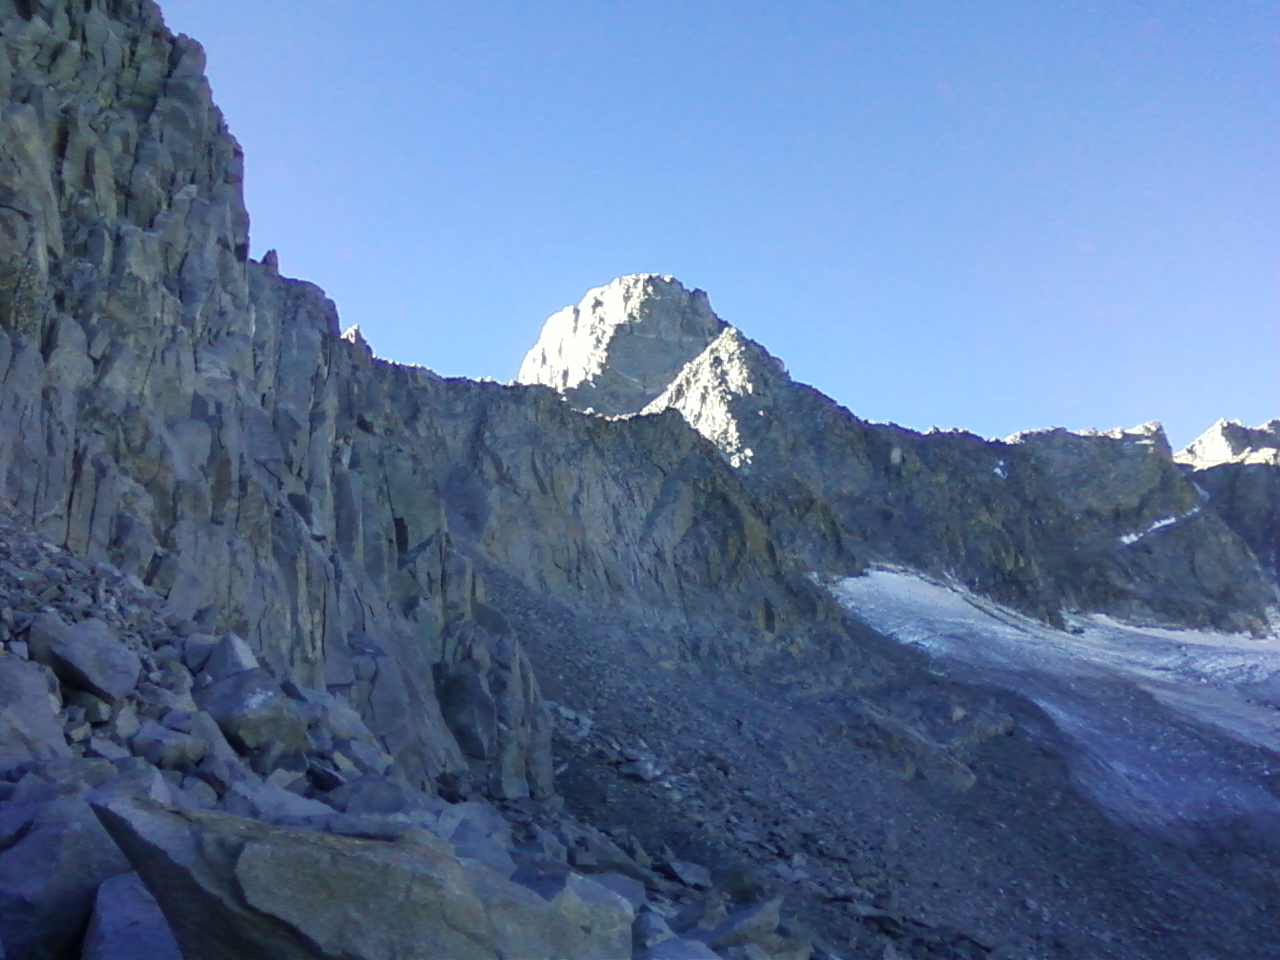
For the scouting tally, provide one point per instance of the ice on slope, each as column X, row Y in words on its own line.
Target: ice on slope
column 1154, row 712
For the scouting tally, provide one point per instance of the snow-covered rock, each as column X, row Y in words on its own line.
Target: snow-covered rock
column 1230, row 441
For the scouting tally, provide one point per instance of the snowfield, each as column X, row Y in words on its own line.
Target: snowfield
column 1178, row 731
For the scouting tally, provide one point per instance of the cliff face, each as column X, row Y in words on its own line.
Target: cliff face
column 1046, row 521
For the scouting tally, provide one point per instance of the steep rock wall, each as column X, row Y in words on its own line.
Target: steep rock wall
column 197, row 420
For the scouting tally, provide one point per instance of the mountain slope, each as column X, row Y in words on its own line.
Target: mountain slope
column 1046, row 521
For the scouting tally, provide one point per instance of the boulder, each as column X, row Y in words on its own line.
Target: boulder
column 756, row 924
column 688, row 874
column 168, row 748
column 85, row 654
column 30, row 728
column 229, row 656
column 127, row 924
column 250, row 797
column 235, row 888
column 253, row 711
column 678, row 949
column 373, row 795
column 482, row 835
column 49, row 879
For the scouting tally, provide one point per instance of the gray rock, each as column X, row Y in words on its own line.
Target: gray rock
column 127, row 924
column 628, row 888
column 106, row 749
column 467, row 707
column 85, row 654
column 689, row 874
column 643, row 771
column 648, row 930
column 678, row 949
column 30, row 729
column 95, row 709
column 205, row 728
column 166, row 748
column 252, row 798
column 196, row 651
column 252, row 711
column 756, row 924
column 230, row 887
column 371, row 794
column 480, row 833
column 49, row 879
column 231, row 655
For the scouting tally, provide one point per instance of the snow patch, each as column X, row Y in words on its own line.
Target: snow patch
column 1131, row 538
column 1150, row 708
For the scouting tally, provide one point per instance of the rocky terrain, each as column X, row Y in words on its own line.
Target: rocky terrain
column 311, row 654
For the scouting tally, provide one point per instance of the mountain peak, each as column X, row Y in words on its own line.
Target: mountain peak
column 622, row 344
column 1230, row 441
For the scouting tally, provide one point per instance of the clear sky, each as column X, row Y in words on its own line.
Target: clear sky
column 990, row 214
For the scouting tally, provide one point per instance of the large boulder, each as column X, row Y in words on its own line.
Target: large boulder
column 253, row 711
column 30, row 729
column 237, row 888
column 87, row 655
column 48, row 880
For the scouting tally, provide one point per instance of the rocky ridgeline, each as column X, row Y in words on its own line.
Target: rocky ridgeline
column 1044, row 521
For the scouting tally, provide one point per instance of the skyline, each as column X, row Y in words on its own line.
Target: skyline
column 1056, row 215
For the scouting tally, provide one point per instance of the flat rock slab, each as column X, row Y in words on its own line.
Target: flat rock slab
column 236, row 888
column 86, row 654
column 29, row 725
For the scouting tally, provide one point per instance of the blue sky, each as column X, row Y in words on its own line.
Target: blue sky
column 995, row 215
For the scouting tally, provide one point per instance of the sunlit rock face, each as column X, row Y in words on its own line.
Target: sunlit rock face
column 1238, row 469
column 622, row 344
column 1229, row 441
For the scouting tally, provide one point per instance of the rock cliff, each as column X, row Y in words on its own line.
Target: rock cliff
column 273, row 607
